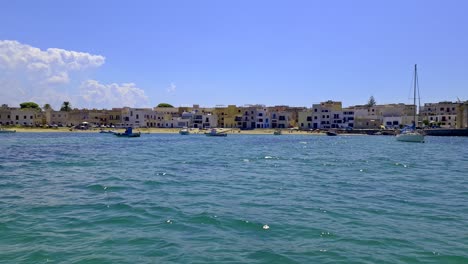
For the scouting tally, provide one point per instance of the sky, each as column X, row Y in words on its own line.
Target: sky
column 104, row 54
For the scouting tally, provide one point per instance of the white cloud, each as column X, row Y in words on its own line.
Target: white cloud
column 61, row 77
column 53, row 75
column 113, row 95
column 15, row 55
column 171, row 88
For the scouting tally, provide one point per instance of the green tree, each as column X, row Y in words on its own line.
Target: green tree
column 165, row 105
column 66, row 106
column 29, row 105
column 371, row 101
column 47, row 107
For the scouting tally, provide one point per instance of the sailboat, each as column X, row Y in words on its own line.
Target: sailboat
column 409, row 133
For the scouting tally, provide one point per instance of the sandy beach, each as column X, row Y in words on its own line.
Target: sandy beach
column 166, row 131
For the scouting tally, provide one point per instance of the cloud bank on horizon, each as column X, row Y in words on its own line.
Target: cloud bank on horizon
column 56, row 75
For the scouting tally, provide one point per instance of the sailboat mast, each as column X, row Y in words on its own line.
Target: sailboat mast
column 414, row 97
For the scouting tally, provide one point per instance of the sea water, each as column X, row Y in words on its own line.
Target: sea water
column 96, row 198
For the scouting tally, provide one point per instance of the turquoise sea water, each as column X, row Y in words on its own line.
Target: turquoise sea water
column 96, row 198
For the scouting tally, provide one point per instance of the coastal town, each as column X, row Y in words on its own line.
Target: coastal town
column 325, row 115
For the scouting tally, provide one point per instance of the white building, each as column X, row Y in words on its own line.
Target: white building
column 134, row 117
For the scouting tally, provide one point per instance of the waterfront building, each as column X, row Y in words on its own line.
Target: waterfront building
column 112, row 117
column 367, row 117
column 305, row 119
column 378, row 116
column 228, row 117
column 166, row 116
column 56, row 117
column 262, row 119
column 134, row 117
column 24, row 117
column 5, row 115
column 248, row 117
column 348, row 117
column 77, row 116
column 443, row 114
column 462, row 115
column 281, row 116
column 327, row 115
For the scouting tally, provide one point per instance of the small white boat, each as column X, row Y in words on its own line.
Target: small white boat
column 215, row 133
column 411, row 136
column 4, row 131
column 184, row 131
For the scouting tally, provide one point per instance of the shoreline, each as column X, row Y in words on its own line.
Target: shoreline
column 259, row 131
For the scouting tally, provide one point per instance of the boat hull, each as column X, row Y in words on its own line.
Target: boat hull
column 410, row 137
column 7, row 131
column 216, row 135
column 127, row 135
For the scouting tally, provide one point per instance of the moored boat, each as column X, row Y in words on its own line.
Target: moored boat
column 4, row 131
column 184, row 131
column 409, row 133
column 277, row 132
column 128, row 133
column 215, row 133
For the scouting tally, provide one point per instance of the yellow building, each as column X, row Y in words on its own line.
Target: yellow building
column 227, row 115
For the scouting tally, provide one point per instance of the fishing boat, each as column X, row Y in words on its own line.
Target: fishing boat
column 4, row 131
column 128, row 133
column 215, row 133
column 331, row 133
column 107, row 131
column 277, row 132
column 410, row 133
column 184, row 131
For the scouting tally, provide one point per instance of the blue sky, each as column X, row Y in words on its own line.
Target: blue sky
column 141, row 53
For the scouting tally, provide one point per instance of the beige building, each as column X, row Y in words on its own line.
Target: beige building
column 24, row 117
column 327, row 115
column 56, row 117
column 5, row 115
column 443, row 114
column 377, row 116
column 462, row 115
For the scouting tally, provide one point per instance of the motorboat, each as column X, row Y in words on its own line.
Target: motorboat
column 184, row 131
column 215, row 133
column 128, row 133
